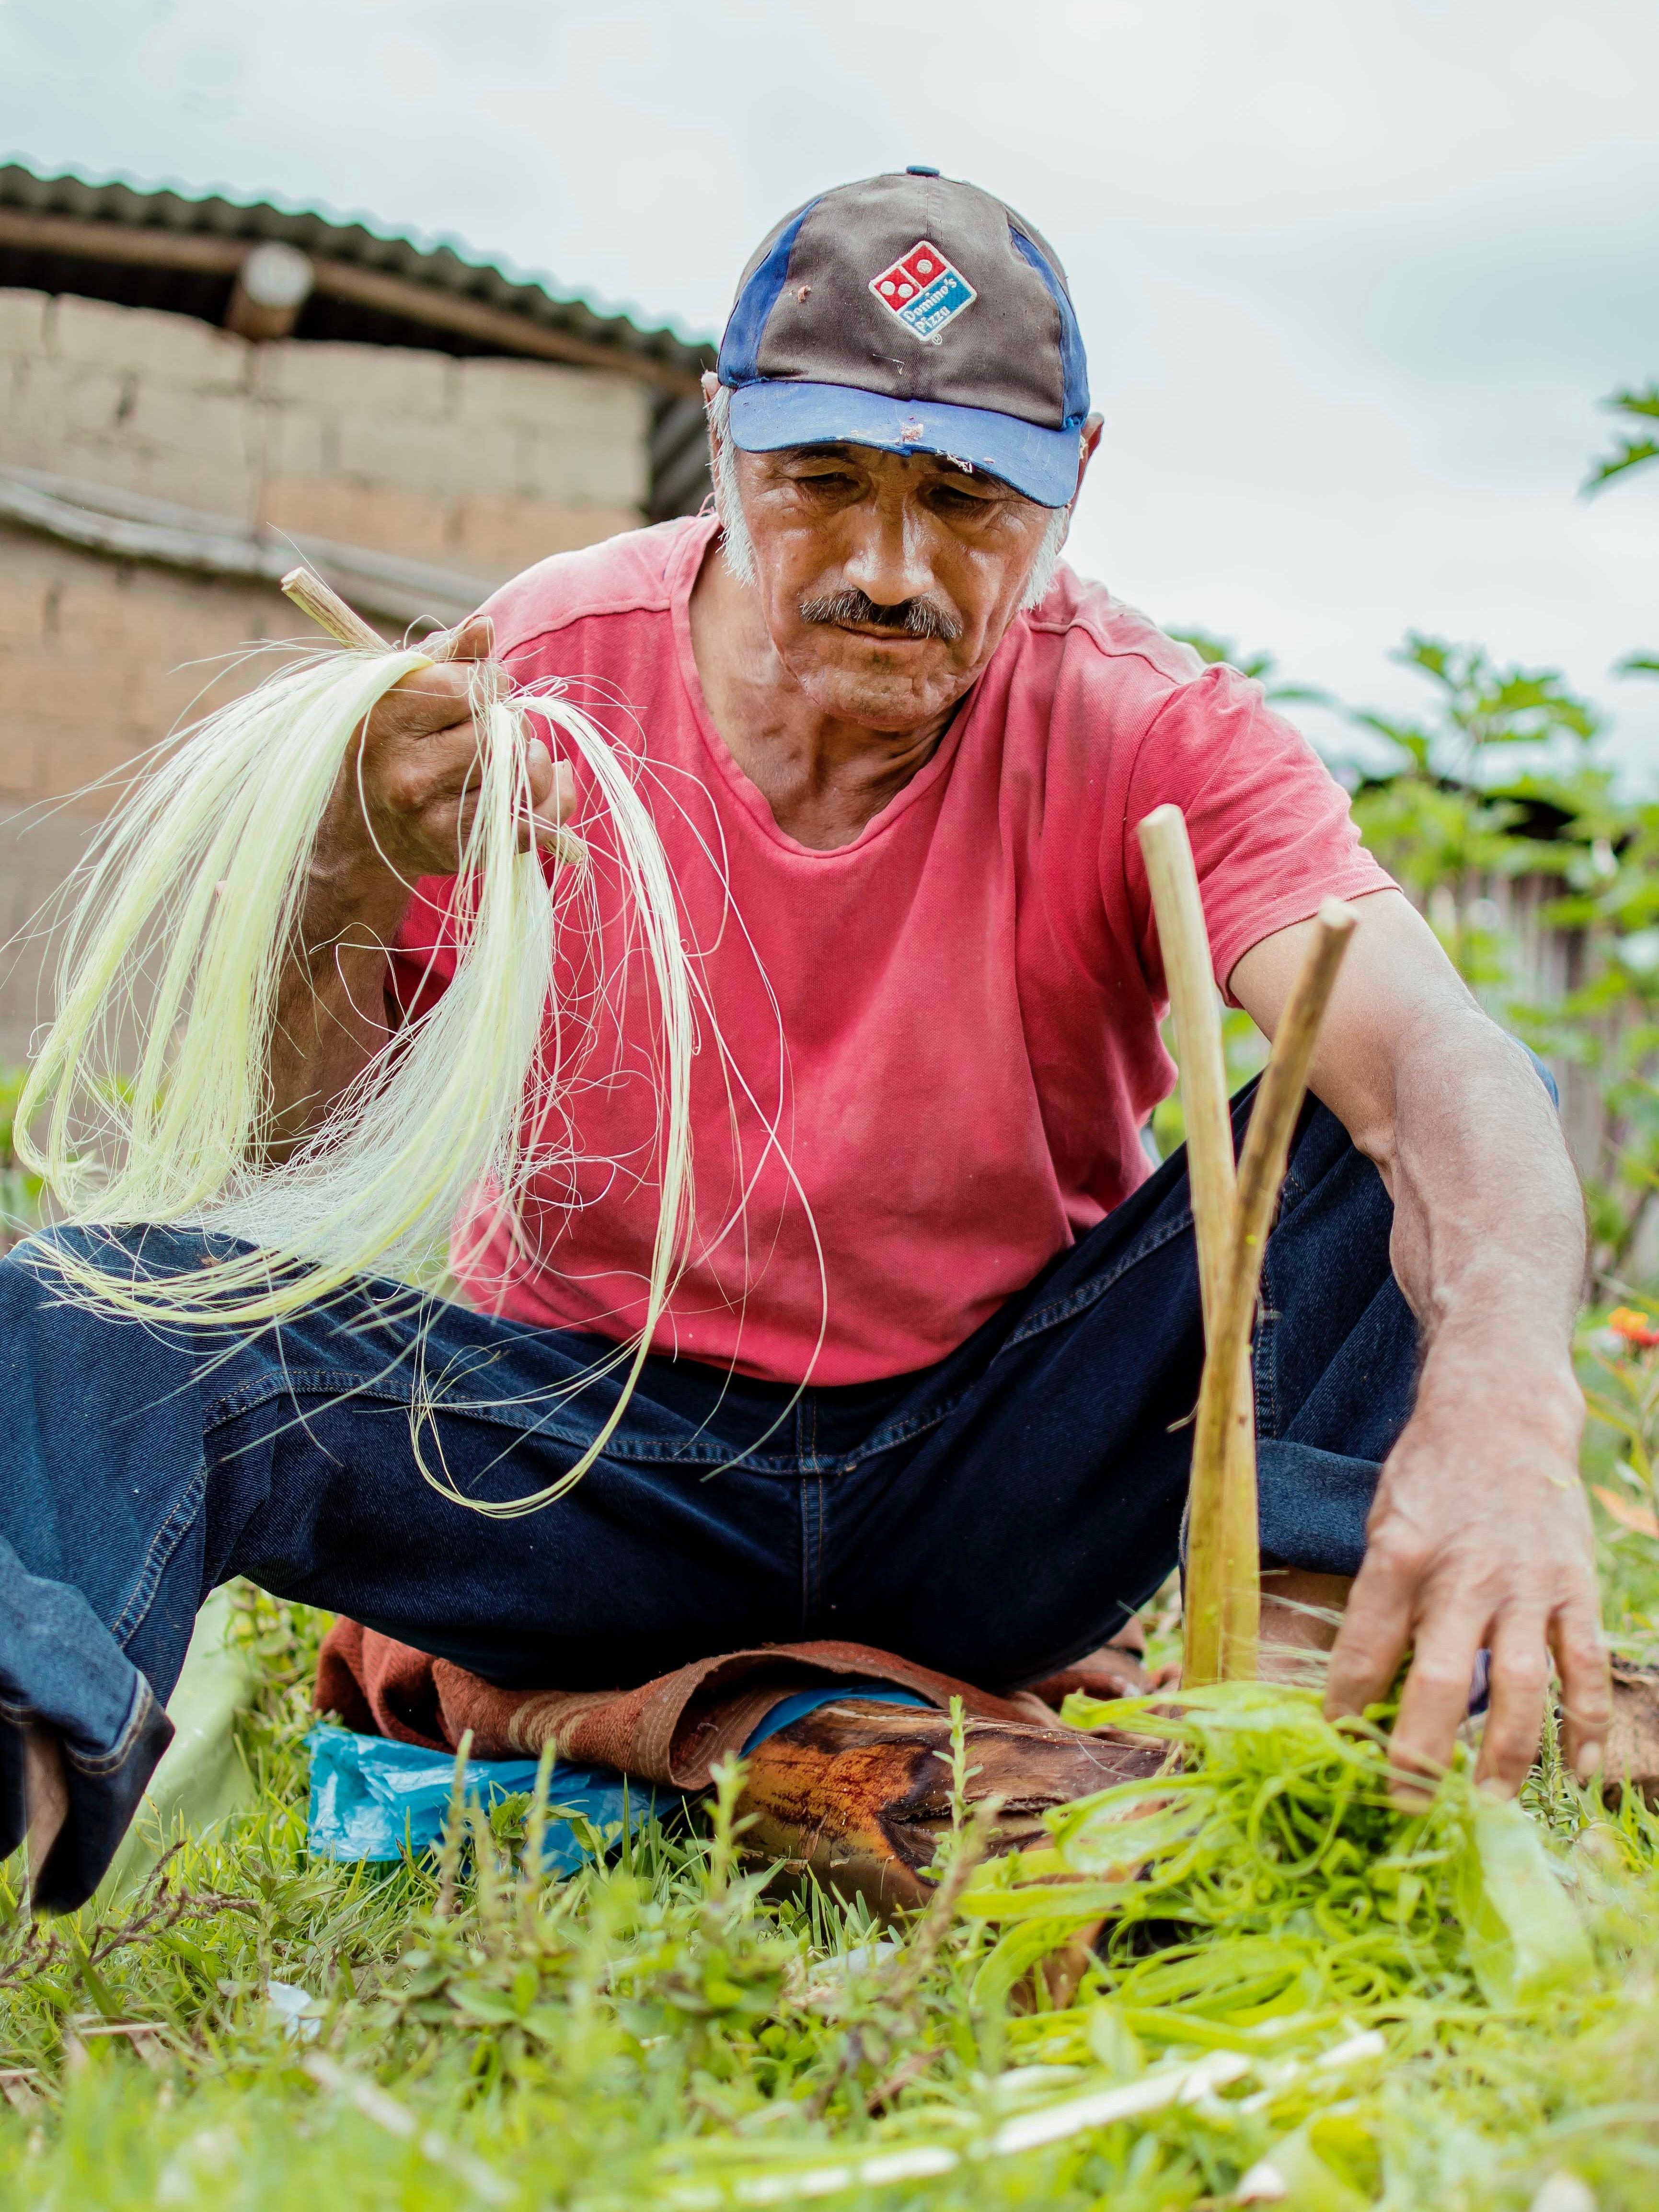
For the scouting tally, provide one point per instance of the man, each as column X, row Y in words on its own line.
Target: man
column 924, row 1381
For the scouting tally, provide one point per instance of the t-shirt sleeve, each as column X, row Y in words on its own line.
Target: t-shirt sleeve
column 1271, row 827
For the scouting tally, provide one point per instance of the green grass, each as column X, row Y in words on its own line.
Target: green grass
column 671, row 2027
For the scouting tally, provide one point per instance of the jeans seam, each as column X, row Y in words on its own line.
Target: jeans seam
column 107, row 1762
column 1092, row 1293
column 165, row 1542
column 309, row 1381
column 1264, row 1359
column 805, row 1556
column 1045, row 1317
column 899, row 1433
column 817, row 1579
column 95, row 1763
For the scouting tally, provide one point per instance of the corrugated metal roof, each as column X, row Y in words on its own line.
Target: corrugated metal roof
column 440, row 266
column 44, row 247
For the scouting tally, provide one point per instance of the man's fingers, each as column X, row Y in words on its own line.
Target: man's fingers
column 1375, row 1631
column 410, row 779
column 472, row 640
column 425, row 701
column 564, row 795
column 1581, row 1660
column 1514, row 1717
column 1435, row 1704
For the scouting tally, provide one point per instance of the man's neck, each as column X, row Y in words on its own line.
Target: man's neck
column 823, row 778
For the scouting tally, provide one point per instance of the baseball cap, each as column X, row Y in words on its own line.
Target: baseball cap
column 916, row 313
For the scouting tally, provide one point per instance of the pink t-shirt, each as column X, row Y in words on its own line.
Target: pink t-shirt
column 941, row 1041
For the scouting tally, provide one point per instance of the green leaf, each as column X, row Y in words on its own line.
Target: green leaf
column 1629, row 453
column 491, row 2005
column 1319, row 2165
column 1524, row 1935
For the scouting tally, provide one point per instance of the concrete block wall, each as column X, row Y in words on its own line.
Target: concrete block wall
column 99, row 660
column 485, row 466
column 482, row 466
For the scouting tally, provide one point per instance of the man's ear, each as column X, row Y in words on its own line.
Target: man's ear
column 711, row 386
column 1090, row 439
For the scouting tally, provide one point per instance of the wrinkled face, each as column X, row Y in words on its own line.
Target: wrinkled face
column 886, row 580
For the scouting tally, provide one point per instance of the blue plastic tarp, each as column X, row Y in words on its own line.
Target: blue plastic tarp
column 375, row 1799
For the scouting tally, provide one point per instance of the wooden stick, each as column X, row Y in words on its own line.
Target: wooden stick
column 1224, row 1438
column 1222, row 1492
column 330, row 611
column 1184, row 944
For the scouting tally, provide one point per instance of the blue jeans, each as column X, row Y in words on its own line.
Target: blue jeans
column 995, row 1516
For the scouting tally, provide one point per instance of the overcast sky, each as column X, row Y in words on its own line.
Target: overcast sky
column 1352, row 273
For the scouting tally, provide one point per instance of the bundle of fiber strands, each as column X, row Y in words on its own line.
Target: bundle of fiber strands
column 149, row 1101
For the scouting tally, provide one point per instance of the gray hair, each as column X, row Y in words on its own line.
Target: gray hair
column 739, row 546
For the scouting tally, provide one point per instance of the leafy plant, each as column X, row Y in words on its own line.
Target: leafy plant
column 1261, row 667
column 1634, row 449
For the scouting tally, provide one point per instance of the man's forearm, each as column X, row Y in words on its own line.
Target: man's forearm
column 330, row 1006
column 1489, row 1226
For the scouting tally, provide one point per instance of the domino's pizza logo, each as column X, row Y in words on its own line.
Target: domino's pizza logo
column 924, row 291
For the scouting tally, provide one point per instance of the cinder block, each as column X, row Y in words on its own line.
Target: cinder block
column 496, row 537
column 177, row 349
column 359, row 379
column 546, row 396
column 31, row 419
column 22, row 322
column 22, row 613
column 18, row 736
column 215, row 427
column 588, row 429
column 596, row 470
column 54, row 683
column 444, row 458
column 195, row 448
column 133, row 431
column 130, row 615
column 410, row 523
column 50, row 405
column 293, row 442
column 79, row 761
column 94, row 614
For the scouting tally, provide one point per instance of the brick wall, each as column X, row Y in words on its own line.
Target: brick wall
column 99, row 659
column 476, row 465
column 482, row 466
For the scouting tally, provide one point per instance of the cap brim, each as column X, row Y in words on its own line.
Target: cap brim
column 775, row 413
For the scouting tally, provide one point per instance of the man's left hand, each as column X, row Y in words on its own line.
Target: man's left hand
column 1480, row 1538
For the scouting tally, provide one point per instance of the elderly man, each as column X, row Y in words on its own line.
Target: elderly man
column 925, row 1380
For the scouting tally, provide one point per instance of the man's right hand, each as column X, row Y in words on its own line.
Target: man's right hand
column 408, row 789
column 399, row 811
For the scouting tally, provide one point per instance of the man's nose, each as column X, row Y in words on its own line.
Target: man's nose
column 888, row 559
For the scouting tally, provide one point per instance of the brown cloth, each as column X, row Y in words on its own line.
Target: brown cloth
column 671, row 1731
column 857, row 1794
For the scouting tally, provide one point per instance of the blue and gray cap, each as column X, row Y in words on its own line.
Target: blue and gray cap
column 914, row 313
